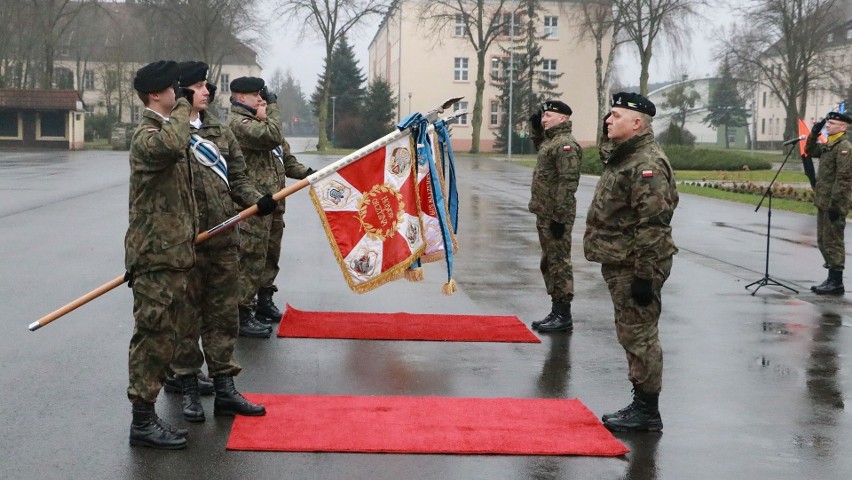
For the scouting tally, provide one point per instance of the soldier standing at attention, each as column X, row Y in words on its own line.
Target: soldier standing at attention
column 158, row 245
column 554, row 183
column 286, row 165
column 219, row 180
column 255, row 121
column 831, row 196
column 628, row 231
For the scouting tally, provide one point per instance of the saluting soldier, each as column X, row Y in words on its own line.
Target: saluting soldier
column 831, row 196
column 554, row 184
column 219, row 180
column 158, row 245
column 286, row 166
column 255, row 121
column 628, row 231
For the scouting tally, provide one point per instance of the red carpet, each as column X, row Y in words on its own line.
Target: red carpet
column 404, row 326
column 509, row 426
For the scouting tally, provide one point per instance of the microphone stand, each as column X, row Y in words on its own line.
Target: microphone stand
column 767, row 280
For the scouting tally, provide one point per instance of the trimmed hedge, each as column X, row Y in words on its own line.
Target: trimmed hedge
column 686, row 158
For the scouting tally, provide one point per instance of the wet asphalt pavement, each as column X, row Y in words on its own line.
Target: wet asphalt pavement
column 755, row 387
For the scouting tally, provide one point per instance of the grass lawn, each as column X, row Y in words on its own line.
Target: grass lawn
column 100, row 144
column 777, row 203
column 740, row 176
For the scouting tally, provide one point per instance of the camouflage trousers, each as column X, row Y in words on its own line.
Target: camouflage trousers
column 213, row 298
column 273, row 251
column 254, row 244
column 159, row 306
column 556, row 261
column 637, row 327
column 830, row 240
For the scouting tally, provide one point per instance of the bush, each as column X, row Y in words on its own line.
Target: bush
column 674, row 135
column 688, row 158
column 98, row 126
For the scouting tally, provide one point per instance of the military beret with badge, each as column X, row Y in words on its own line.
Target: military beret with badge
column 247, row 84
column 192, row 73
column 556, row 106
column 156, row 77
column 841, row 117
column 634, row 101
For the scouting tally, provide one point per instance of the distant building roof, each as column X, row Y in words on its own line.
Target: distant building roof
column 37, row 99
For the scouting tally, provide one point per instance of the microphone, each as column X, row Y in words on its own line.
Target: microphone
column 794, row 140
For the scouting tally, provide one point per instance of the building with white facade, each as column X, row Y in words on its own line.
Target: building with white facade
column 425, row 66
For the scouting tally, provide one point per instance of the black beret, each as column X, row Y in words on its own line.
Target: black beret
column 192, row 73
column 556, row 106
column 634, row 101
column 156, row 77
column 839, row 116
column 247, row 84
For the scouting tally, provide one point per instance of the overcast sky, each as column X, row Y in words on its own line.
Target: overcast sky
column 304, row 59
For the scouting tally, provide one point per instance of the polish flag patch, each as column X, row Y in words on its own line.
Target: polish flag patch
column 566, row 148
column 844, row 152
column 647, row 173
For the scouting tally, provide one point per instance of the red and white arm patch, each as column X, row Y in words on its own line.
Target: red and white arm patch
column 647, row 173
column 246, row 120
column 844, row 152
column 566, row 148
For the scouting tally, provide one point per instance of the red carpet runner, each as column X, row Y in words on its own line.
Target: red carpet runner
column 510, row 426
column 404, row 326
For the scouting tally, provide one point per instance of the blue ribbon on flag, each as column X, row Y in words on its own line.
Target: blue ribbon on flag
column 207, row 154
column 419, row 126
column 448, row 167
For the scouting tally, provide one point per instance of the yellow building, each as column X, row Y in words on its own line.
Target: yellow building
column 425, row 66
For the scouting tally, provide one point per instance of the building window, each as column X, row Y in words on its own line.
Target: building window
column 548, row 70
column 550, row 30
column 762, row 126
column 224, row 82
column 51, row 124
column 508, row 25
column 849, row 34
column 88, row 80
column 460, row 69
column 461, row 106
column 495, row 113
column 134, row 114
column 10, row 125
column 460, row 27
column 764, row 99
column 829, row 38
column 496, row 63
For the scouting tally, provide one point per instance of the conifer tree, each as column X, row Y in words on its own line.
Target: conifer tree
column 726, row 106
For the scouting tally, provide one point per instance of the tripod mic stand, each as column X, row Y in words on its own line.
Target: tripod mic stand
column 767, row 280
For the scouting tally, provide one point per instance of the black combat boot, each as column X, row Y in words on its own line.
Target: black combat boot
column 230, row 402
column 267, row 312
column 147, row 430
column 644, row 416
column 823, row 284
column 192, row 409
column 172, row 385
column 560, row 320
column 832, row 286
column 624, row 411
column 249, row 327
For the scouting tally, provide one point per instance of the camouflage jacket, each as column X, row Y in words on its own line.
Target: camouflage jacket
column 834, row 177
column 556, row 175
column 288, row 166
column 629, row 219
column 213, row 196
column 163, row 220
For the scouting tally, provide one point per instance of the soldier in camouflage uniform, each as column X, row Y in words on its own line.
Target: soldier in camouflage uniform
column 628, row 231
column 831, row 196
column 555, row 179
column 286, row 165
column 158, row 245
column 219, row 180
column 256, row 123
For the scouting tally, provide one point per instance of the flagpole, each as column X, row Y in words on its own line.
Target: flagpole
column 252, row 210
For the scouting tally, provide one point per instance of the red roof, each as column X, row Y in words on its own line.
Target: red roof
column 36, row 99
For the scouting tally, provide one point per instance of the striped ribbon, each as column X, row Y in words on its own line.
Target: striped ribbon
column 207, row 154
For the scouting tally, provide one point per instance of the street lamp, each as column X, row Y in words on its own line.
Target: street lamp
column 509, row 127
column 409, row 102
column 333, row 108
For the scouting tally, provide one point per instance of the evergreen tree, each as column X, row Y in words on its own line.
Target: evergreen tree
column 296, row 114
column 726, row 106
column 379, row 111
column 346, row 87
column 531, row 86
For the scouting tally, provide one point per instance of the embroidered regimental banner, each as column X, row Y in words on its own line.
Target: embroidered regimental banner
column 370, row 212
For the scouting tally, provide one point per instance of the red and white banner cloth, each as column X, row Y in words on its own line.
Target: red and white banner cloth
column 370, row 212
column 435, row 249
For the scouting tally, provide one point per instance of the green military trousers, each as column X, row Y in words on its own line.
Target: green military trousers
column 830, row 240
column 555, row 264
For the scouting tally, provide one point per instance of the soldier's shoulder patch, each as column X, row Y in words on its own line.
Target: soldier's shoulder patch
column 844, row 152
column 648, row 173
column 152, row 130
column 566, row 148
column 246, row 120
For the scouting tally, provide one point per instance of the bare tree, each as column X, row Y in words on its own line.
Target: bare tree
column 331, row 20
column 601, row 23
column 644, row 21
column 778, row 45
column 52, row 19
